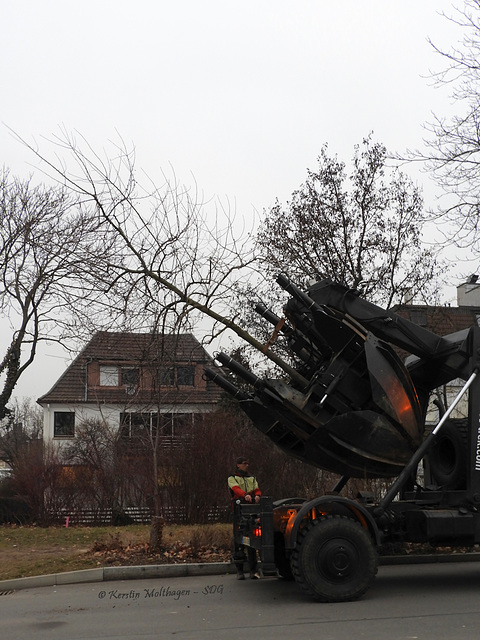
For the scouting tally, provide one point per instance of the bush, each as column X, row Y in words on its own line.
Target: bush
column 14, row 511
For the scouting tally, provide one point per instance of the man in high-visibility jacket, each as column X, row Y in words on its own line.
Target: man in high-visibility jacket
column 244, row 487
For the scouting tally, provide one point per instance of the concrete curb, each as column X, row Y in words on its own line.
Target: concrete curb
column 105, row 574
column 428, row 558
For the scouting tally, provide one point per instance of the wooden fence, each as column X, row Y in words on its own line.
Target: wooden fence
column 130, row 515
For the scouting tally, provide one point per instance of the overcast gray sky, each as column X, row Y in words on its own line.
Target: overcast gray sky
column 239, row 96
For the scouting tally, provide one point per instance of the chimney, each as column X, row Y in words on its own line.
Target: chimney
column 408, row 296
column 468, row 293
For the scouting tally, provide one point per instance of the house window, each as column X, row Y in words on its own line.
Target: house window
column 108, row 376
column 137, row 425
column 130, row 376
column 63, row 424
column 166, row 424
column 186, row 376
column 176, row 424
column 141, row 425
column 166, row 376
column 182, row 375
column 182, row 425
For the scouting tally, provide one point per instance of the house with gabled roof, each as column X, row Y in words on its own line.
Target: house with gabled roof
column 133, row 381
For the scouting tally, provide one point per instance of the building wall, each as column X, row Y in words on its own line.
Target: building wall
column 449, row 393
column 468, row 294
column 104, row 413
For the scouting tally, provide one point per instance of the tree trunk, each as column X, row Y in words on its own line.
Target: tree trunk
column 156, row 533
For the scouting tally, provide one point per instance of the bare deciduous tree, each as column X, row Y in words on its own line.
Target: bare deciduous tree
column 94, row 450
column 168, row 251
column 46, row 239
column 20, row 430
column 453, row 141
column 362, row 229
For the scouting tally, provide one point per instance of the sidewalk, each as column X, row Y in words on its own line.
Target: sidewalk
column 106, row 574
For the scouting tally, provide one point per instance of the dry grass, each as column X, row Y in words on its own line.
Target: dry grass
column 28, row 551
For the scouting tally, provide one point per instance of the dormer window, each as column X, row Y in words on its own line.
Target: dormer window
column 180, row 375
column 166, row 376
column 108, row 376
column 186, row 376
column 130, row 376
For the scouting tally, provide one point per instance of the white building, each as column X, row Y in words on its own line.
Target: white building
column 131, row 382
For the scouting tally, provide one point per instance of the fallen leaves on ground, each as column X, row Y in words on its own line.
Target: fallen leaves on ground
column 175, row 553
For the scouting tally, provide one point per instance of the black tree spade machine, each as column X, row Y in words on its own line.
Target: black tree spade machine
column 352, row 406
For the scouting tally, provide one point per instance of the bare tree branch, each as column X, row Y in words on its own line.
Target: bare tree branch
column 169, row 252
column 363, row 229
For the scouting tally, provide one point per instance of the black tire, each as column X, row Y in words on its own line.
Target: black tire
column 448, row 457
column 335, row 559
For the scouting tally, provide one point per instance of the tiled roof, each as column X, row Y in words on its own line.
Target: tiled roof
column 134, row 349
column 440, row 320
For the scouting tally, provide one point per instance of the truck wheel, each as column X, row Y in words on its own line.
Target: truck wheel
column 448, row 457
column 335, row 559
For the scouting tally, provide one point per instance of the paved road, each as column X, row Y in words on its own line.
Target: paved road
column 424, row 602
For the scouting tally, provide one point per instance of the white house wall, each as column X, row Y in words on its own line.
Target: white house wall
column 109, row 414
column 452, row 389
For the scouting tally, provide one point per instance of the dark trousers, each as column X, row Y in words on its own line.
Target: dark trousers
column 239, row 557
